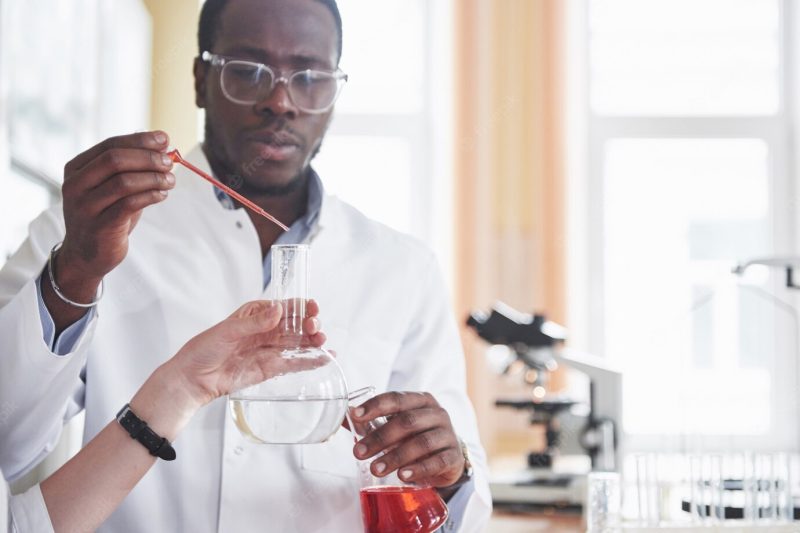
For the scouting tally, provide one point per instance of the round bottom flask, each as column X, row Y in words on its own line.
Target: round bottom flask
column 301, row 407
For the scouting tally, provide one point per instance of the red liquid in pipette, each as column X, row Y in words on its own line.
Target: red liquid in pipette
column 176, row 157
column 402, row 509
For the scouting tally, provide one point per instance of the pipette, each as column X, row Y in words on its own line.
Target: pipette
column 176, row 157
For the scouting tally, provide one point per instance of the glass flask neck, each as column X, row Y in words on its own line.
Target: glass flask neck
column 289, row 285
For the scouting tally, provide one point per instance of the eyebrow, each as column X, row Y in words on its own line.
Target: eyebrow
column 260, row 55
column 249, row 51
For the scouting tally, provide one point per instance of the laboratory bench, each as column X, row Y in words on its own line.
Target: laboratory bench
column 504, row 522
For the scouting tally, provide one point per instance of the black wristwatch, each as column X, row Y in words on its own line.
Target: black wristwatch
column 138, row 429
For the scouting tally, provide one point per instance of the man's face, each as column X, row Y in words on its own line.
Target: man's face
column 270, row 143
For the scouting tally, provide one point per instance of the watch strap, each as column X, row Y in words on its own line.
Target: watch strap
column 138, row 429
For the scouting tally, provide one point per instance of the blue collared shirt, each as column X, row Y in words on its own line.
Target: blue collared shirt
column 301, row 228
column 66, row 341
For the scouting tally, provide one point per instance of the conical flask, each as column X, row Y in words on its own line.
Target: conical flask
column 301, row 407
column 389, row 503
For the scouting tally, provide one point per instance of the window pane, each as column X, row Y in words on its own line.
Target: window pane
column 371, row 173
column 23, row 201
column 384, row 54
column 685, row 57
column 697, row 345
column 53, row 87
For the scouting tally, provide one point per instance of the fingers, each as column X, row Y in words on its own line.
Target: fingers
column 269, row 363
column 255, row 307
column 410, row 428
column 311, row 325
column 128, row 184
column 317, row 340
column 122, row 160
column 418, row 440
column 152, row 140
column 130, row 205
column 255, row 318
column 105, row 188
column 266, row 321
column 413, row 451
column 390, row 403
column 445, row 467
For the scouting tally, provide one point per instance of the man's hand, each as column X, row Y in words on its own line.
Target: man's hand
column 105, row 189
column 419, row 439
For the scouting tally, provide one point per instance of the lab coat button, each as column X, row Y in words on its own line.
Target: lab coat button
column 239, row 224
column 239, row 450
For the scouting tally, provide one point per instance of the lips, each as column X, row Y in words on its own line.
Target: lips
column 275, row 145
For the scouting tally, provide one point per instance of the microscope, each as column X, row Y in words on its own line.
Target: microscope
column 538, row 344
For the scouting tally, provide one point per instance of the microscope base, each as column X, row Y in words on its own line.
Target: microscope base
column 539, row 488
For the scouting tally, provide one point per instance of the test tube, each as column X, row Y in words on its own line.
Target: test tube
column 647, row 489
column 734, row 469
column 765, row 477
column 716, row 488
column 696, row 503
column 752, row 511
column 783, row 504
column 603, row 506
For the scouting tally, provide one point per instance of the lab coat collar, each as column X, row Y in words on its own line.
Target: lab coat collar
column 330, row 206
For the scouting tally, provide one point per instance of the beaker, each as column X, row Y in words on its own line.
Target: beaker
column 603, row 503
column 307, row 406
column 389, row 504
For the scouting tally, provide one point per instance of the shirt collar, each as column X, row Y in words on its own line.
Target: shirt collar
column 315, row 194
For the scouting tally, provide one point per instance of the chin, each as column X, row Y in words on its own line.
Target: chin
column 277, row 184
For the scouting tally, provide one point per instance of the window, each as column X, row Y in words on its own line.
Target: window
column 687, row 123
column 388, row 148
column 64, row 77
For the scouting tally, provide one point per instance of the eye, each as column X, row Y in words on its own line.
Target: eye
column 243, row 71
column 305, row 78
column 310, row 78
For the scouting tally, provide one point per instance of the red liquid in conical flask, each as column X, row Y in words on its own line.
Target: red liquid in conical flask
column 402, row 510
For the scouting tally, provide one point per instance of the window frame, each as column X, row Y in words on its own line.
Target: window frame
column 429, row 135
column 588, row 132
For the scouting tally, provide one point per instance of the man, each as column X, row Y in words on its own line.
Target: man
column 172, row 255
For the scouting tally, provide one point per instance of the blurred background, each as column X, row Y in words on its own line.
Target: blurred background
column 605, row 163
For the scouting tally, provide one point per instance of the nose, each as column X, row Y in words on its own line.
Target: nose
column 277, row 101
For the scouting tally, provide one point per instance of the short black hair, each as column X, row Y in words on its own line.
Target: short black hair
column 212, row 10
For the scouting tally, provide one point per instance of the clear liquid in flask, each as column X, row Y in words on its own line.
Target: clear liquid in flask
column 287, row 420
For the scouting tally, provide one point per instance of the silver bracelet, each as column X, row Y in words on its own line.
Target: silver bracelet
column 57, row 289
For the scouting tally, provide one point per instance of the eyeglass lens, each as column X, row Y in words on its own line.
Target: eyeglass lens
column 248, row 83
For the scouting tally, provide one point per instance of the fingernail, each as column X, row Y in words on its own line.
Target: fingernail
column 405, row 474
column 160, row 137
column 315, row 324
column 163, row 193
column 380, row 467
column 359, row 412
column 170, row 178
column 361, row 450
column 166, row 160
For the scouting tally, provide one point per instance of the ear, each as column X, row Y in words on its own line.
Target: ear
column 200, row 75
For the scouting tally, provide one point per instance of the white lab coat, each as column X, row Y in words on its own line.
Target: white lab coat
column 190, row 264
column 24, row 513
